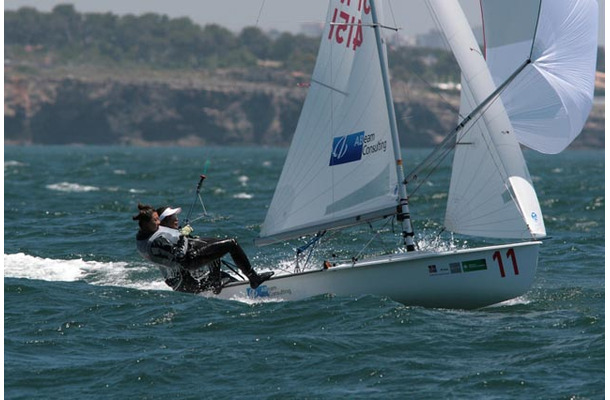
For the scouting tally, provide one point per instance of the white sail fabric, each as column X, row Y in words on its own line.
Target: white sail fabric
column 491, row 194
column 340, row 168
column 549, row 102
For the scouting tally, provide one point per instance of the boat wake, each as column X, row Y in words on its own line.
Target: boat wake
column 97, row 273
column 139, row 276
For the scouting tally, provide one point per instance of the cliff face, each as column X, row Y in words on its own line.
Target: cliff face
column 228, row 108
column 110, row 111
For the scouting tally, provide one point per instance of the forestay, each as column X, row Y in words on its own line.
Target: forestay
column 549, row 102
column 340, row 168
column 491, row 193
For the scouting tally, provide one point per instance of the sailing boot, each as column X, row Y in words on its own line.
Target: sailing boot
column 257, row 279
column 242, row 262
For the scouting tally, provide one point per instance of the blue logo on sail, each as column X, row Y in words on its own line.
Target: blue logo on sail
column 347, row 148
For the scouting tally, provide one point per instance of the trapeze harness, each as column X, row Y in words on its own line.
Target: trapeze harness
column 183, row 264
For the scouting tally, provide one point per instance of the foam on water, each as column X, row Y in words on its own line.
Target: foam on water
column 244, row 196
column 13, row 163
column 243, row 180
column 72, row 187
column 517, row 301
column 93, row 272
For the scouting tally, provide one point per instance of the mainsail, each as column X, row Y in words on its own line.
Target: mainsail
column 548, row 103
column 491, row 193
column 340, row 168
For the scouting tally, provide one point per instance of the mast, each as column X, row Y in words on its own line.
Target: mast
column 403, row 208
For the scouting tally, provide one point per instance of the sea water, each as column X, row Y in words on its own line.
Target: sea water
column 86, row 317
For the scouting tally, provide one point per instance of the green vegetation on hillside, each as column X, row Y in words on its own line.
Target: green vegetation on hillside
column 157, row 41
column 65, row 36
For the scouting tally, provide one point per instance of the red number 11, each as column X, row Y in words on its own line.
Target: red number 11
column 509, row 254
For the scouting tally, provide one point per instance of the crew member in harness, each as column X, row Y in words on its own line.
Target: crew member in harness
column 188, row 264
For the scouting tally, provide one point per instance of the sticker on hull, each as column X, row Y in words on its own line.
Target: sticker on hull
column 458, row 267
column 265, row 291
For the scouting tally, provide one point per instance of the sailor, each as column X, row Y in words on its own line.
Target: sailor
column 201, row 278
column 188, row 263
column 169, row 216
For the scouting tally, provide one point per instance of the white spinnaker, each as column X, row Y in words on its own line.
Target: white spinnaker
column 549, row 102
column 340, row 168
column 491, row 194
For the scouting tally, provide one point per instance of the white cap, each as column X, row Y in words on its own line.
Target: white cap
column 169, row 211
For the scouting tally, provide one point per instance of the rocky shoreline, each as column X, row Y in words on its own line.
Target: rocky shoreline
column 260, row 106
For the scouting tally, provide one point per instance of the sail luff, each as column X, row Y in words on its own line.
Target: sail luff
column 404, row 216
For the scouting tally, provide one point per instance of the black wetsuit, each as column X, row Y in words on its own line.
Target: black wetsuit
column 191, row 264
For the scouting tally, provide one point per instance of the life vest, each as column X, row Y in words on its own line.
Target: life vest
column 166, row 258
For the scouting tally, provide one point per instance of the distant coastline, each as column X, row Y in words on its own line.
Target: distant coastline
column 74, row 78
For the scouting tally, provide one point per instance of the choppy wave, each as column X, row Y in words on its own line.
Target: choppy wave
column 13, row 163
column 84, row 316
column 72, row 187
column 243, row 180
column 243, row 196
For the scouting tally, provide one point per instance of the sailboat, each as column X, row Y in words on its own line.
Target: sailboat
column 531, row 85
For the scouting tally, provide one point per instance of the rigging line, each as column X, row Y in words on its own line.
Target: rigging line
column 232, row 267
column 392, row 14
column 402, row 87
column 439, row 94
column 260, row 11
column 433, row 161
column 203, row 215
column 447, row 47
column 329, row 87
column 392, row 28
column 372, row 238
column 438, row 27
column 311, row 245
column 330, row 134
column 478, row 110
column 536, row 29
column 443, row 149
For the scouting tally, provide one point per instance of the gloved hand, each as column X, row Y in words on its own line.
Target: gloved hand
column 186, row 230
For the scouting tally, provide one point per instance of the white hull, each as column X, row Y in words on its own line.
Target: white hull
column 463, row 279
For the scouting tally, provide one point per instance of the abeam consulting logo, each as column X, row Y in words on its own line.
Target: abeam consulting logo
column 347, row 148
column 352, row 147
